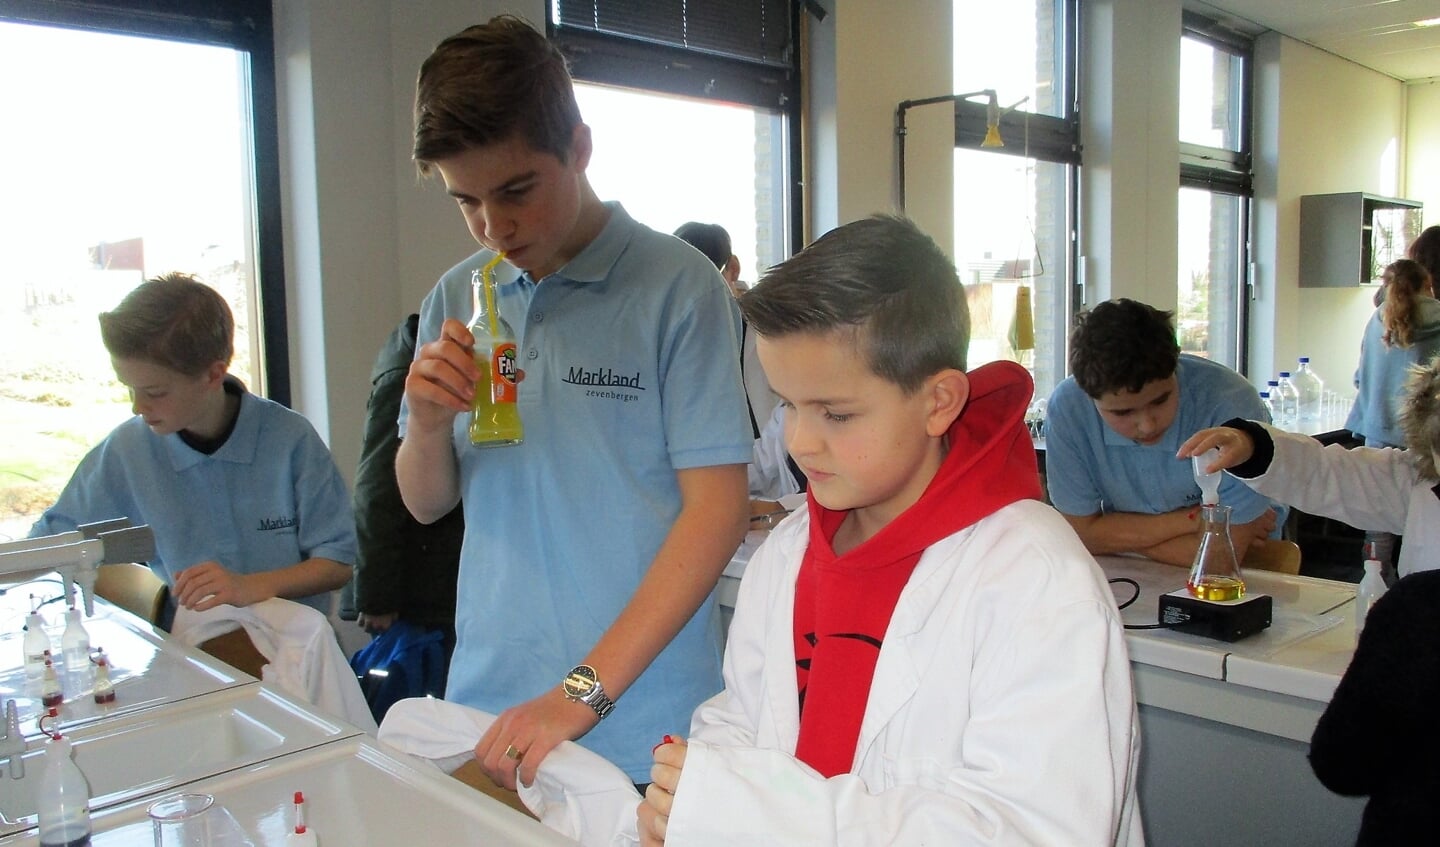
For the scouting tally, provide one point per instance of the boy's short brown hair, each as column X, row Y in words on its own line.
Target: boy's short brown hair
column 882, row 278
column 1121, row 345
column 489, row 83
column 175, row 321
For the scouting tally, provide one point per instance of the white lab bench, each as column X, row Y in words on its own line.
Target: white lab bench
column 1225, row 727
column 183, row 721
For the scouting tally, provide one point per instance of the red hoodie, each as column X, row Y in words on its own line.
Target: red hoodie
column 843, row 603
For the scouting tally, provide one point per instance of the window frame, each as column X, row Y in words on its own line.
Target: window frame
column 244, row 26
column 1050, row 139
column 605, row 58
column 1220, row 170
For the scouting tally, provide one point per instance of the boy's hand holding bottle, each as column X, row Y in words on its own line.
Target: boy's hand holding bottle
column 442, row 379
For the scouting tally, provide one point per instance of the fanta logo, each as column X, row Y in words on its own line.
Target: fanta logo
column 505, row 364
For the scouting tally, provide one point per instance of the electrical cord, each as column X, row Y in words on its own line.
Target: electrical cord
column 1133, row 597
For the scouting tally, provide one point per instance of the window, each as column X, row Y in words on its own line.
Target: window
column 1015, row 206
column 1215, row 192
column 149, row 147
column 715, row 85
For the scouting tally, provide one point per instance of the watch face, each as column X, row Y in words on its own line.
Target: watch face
column 580, row 682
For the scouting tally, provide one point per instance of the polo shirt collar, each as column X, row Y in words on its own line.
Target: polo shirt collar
column 239, row 448
column 594, row 263
column 1169, row 441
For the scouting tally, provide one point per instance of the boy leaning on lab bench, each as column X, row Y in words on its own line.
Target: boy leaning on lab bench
column 245, row 500
column 927, row 654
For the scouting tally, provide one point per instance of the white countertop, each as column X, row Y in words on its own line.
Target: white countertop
column 1302, row 654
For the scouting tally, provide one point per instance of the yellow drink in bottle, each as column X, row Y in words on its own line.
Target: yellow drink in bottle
column 494, row 416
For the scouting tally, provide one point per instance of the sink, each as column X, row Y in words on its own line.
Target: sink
column 358, row 792
column 147, row 668
column 153, row 751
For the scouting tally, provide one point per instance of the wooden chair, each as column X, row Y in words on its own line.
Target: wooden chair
column 1274, row 554
column 471, row 774
column 134, row 588
column 236, row 650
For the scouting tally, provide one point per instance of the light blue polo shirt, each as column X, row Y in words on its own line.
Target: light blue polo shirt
column 1091, row 469
column 631, row 360
column 270, row 497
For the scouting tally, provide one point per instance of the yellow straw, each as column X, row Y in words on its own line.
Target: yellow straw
column 487, row 281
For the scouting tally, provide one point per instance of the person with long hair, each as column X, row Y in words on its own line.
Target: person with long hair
column 1403, row 332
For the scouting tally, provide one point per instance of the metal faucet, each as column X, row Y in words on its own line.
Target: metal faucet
column 76, row 555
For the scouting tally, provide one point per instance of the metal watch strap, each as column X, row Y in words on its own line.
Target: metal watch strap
column 600, row 702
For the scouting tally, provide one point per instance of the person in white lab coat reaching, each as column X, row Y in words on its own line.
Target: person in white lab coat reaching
column 1381, row 489
column 926, row 654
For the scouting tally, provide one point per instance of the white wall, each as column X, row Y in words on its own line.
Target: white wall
column 867, row 56
column 1324, row 125
column 1130, row 176
column 365, row 238
column 1422, row 146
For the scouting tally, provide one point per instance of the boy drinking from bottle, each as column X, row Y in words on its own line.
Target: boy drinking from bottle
column 926, row 654
column 591, row 550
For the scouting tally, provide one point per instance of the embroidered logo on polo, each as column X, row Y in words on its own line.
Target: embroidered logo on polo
column 277, row 523
column 605, row 383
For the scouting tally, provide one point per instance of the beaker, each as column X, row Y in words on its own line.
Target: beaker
column 180, row 820
column 1216, row 572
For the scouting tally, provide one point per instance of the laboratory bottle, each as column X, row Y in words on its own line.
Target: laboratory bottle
column 1216, row 572
column 1286, row 400
column 104, row 688
column 494, row 415
column 1272, row 387
column 37, row 644
column 1371, row 587
column 301, row 835
column 1269, row 403
column 1310, row 390
column 75, row 643
column 63, row 799
column 51, row 694
column 1208, row 481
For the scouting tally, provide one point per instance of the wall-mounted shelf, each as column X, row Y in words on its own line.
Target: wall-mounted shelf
column 1347, row 239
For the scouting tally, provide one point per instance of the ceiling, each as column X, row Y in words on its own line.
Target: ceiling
column 1379, row 34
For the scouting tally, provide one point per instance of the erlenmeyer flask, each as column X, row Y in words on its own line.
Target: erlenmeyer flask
column 1216, row 572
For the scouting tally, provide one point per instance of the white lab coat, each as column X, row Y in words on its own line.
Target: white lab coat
column 1001, row 710
column 1370, row 488
column 576, row 792
column 304, row 659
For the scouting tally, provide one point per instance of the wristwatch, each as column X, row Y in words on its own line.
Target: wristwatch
column 582, row 685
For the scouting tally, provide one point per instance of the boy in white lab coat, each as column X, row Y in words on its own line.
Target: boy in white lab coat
column 927, row 654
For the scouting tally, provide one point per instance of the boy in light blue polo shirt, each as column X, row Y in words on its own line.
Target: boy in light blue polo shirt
column 243, row 497
column 584, row 607
column 1112, row 430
